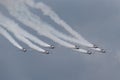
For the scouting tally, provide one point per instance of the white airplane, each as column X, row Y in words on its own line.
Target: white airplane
column 52, row 47
column 89, row 52
column 46, row 52
column 103, row 51
column 94, row 46
column 24, row 50
column 76, row 47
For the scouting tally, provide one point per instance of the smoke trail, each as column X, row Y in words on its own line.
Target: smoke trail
column 97, row 49
column 5, row 22
column 26, row 17
column 26, row 41
column 30, row 44
column 63, row 43
column 49, row 12
column 29, row 36
column 64, row 36
column 34, row 39
column 45, row 8
column 9, row 37
column 81, row 50
column 26, row 34
column 22, row 13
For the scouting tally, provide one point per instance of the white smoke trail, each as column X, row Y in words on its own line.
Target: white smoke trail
column 21, row 12
column 63, row 43
column 56, row 18
column 30, row 44
column 28, row 35
column 26, row 17
column 34, row 39
column 49, row 28
column 5, row 22
column 81, row 50
column 49, row 12
column 97, row 49
column 64, row 36
column 9, row 37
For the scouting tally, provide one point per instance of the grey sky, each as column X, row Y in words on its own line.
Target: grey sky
column 97, row 20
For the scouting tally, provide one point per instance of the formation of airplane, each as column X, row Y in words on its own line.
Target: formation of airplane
column 76, row 47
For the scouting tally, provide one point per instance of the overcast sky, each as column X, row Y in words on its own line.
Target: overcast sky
column 97, row 20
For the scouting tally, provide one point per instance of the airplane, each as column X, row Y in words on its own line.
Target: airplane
column 103, row 51
column 24, row 50
column 94, row 46
column 89, row 52
column 76, row 47
column 52, row 47
column 46, row 52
